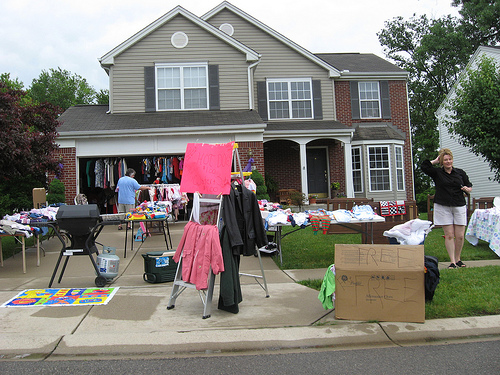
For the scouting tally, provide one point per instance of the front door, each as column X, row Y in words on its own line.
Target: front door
column 317, row 171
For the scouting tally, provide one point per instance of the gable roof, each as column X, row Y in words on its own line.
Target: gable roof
column 358, row 65
column 333, row 72
column 108, row 59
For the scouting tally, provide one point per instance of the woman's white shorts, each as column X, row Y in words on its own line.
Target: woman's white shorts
column 448, row 215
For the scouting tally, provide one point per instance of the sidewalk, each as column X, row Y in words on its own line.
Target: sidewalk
column 136, row 322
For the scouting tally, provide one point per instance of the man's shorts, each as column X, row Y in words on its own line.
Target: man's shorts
column 448, row 215
column 124, row 208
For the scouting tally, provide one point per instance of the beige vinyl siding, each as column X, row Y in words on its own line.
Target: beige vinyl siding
column 128, row 71
column 278, row 60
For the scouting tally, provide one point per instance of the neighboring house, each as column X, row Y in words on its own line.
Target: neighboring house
column 306, row 119
column 476, row 167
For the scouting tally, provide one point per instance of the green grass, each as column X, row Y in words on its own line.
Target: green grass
column 304, row 250
column 461, row 292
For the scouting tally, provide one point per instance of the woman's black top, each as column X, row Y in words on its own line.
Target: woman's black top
column 448, row 185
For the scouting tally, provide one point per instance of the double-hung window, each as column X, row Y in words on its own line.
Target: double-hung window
column 290, row 98
column 182, row 86
column 369, row 99
column 379, row 168
column 398, row 152
column 357, row 176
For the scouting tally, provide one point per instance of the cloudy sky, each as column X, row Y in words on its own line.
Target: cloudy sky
column 43, row 34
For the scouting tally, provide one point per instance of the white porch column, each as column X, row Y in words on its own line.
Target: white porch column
column 349, row 187
column 303, row 168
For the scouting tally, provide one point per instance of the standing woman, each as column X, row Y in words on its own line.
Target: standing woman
column 450, row 210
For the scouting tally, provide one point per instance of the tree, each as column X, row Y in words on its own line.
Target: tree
column 434, row 52
column 61, row 88
column 480, row 20
column 11, row 83
column 102, row 96
column 27, row 145
column 475, row 118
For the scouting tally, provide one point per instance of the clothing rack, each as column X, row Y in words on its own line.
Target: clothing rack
column 237, row 164
column 206, row 296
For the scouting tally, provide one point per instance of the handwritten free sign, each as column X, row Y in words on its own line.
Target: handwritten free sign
column 207, row 168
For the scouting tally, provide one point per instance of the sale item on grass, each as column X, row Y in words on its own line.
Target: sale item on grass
column 62, row 297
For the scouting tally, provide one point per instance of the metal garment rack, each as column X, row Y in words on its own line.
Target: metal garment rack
column 206, row 296
column 241, row 174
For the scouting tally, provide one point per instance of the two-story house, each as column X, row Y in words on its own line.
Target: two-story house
column 305, row 119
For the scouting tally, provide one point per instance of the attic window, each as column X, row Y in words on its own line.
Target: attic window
column 179, row 39
column 227, row 28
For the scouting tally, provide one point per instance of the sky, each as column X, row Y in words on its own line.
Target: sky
column 46, row 34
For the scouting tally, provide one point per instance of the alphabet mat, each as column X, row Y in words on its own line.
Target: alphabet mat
column 62, row 297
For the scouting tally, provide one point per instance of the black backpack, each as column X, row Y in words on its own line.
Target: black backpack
column 431, row 276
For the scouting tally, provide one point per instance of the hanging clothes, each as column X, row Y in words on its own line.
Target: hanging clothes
column 201, row 251
column 241, row 215
column 243, row 231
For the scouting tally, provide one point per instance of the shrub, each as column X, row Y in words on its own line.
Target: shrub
column 261, row 191
column 56, row 192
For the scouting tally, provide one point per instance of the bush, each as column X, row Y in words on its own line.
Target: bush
column 16, row 194
column 56, row 192
column 272, row 186
column 421, row 199
column 261, row 191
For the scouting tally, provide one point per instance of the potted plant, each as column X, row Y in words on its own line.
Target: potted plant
column 335, row 186
column 312, row 198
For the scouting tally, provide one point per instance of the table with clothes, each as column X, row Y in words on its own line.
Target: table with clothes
column 484, row 224
column 21, row 225
column 320, row 220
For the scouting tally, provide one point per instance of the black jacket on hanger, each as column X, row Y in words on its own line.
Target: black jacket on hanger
column 241, row 215
column 243, row 229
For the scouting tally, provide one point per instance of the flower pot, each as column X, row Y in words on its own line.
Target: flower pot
column 312, row 200
column 334, row 193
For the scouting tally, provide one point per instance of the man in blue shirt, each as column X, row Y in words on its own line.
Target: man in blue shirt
column 126, row 187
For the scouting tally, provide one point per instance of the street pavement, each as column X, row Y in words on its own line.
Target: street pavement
column 136, row 321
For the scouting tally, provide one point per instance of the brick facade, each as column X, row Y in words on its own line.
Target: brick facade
column 67, row 156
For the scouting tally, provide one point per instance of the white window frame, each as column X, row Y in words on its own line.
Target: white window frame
column 399, row 164
column 181, row 87
column 357, row 170
column 369, row 98
column 290, row 100
column 371, row 169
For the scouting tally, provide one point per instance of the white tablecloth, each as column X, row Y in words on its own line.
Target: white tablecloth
column 484, row 225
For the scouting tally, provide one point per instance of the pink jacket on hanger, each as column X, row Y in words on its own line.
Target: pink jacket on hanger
column 200, row 249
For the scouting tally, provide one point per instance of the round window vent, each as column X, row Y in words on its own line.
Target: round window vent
column 227, row 28
column 179, row 39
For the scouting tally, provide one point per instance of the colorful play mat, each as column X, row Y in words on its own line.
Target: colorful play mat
column 62, row 297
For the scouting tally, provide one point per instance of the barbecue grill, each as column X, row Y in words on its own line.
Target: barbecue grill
column 81, row 224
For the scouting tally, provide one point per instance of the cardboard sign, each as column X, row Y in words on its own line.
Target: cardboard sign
column 207, row 168
column 380, row 282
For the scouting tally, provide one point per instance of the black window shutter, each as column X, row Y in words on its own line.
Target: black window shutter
column 355, row 100
column 385, row 103
column 213, row 87
column 262, row 99
column 317, row 101
column 149, row 89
